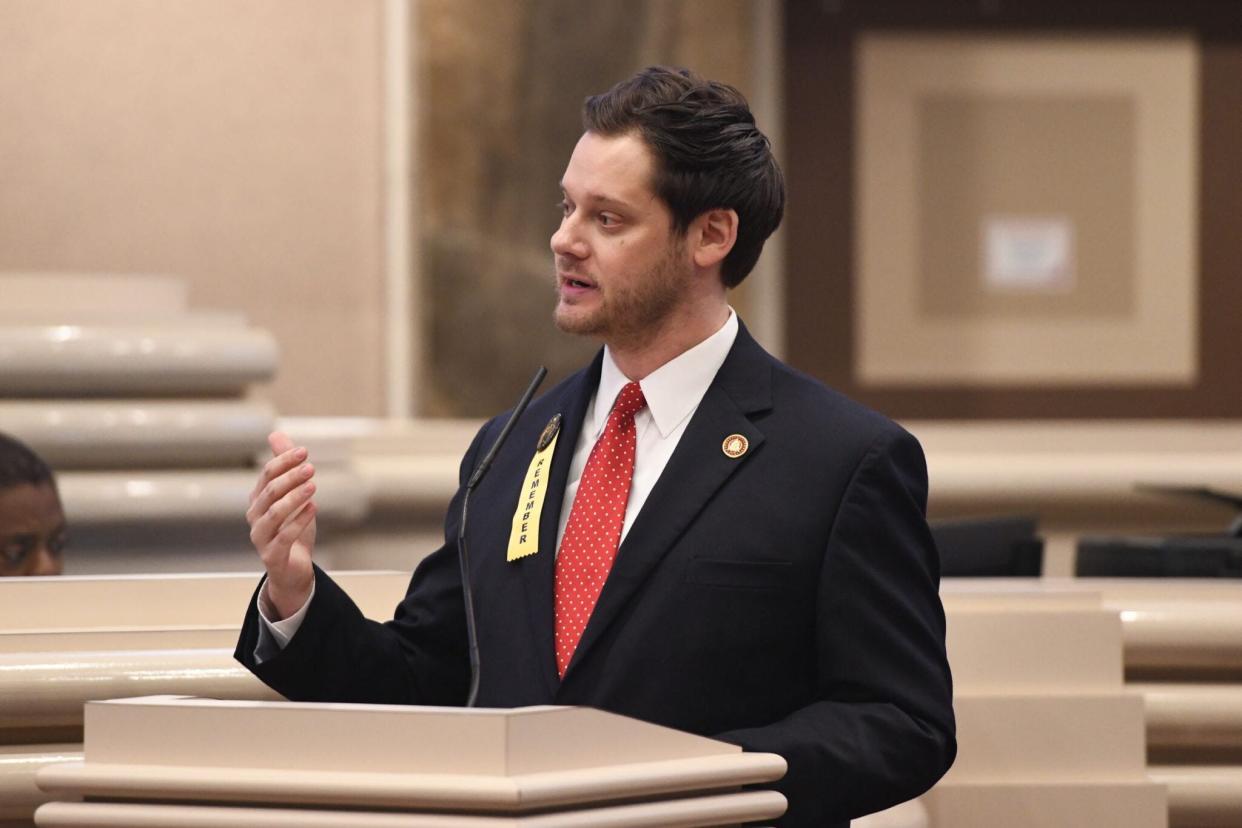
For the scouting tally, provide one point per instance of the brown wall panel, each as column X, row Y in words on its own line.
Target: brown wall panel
column 819, row 94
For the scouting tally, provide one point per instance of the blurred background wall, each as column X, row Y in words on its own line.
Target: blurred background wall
column 502, row 86
column 248, row 148
column 245, row 148
column 825, row 92
column 237, row 145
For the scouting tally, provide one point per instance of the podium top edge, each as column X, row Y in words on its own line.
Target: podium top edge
column 341, row 707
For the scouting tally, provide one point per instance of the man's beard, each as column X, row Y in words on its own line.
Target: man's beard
column 633, row 312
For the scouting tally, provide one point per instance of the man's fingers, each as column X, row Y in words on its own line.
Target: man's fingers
column 281, row 508
column 294, row 528
column 273, row 490
column 277, row 466
column 267, row 525
column 282, row 455
column 279, row 442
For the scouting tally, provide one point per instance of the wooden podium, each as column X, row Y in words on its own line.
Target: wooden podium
column 196, row 763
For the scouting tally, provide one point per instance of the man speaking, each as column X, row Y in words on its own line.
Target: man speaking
column 686, row 531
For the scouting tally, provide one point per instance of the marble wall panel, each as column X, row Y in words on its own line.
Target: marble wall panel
column 237, row 146
column 501, row 91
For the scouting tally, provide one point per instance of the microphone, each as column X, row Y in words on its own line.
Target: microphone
column 463, row 556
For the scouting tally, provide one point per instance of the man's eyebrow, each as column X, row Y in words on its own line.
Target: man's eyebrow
column 600, row 198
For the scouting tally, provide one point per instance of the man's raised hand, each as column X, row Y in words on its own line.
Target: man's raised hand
column 282, row 524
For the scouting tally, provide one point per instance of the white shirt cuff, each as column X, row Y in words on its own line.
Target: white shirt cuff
column 281, row 632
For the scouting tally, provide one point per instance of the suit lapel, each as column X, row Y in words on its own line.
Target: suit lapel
column 696, row 470
column 538, row 569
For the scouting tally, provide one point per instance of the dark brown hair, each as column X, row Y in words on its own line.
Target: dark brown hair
column 19, row 464
column 709, row 153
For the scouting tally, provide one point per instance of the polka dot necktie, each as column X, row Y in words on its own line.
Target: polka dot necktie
column 594, row 528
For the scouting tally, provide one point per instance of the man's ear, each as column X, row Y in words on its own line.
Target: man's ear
column 713, row 233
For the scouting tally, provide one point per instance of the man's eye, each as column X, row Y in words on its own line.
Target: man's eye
column 607, row 219
column 14, row 551
column 562, row 207
column 57, row 545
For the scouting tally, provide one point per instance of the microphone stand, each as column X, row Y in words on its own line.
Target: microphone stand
column 463, row 555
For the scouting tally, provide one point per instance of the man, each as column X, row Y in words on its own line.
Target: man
column 32, row 522
column 687, row 531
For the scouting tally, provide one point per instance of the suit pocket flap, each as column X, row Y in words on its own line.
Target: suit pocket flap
column 739, row 574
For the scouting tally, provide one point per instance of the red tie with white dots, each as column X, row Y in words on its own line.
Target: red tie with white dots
column 593, row 532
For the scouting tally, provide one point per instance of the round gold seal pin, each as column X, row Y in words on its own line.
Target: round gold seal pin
column 734, row 446
column 550, row 431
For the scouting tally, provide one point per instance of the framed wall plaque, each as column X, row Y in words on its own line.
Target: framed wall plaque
column 1026, row 210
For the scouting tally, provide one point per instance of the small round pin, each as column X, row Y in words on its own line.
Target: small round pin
column 549, row 431
column 734, row 446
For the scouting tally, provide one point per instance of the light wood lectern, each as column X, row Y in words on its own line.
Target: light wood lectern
column 198, row 763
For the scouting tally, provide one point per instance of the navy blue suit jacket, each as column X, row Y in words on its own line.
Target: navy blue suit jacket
column 786, row 600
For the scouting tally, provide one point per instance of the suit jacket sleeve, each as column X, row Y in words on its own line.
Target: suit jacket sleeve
column 882, row 730
column 338, row 655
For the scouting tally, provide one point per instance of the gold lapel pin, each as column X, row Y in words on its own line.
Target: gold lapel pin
column 734, row 446
column 549, row 431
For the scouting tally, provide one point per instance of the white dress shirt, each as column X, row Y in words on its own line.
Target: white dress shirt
column 673, row 393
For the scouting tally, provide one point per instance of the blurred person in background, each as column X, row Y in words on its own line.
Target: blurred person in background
column 32, row 522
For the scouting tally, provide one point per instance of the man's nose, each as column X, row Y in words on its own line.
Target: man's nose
column 45, row 562
column 566, row 241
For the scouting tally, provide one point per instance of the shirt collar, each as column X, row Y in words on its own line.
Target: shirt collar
column 674, row 389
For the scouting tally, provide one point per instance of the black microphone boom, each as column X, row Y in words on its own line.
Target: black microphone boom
column 463, row 557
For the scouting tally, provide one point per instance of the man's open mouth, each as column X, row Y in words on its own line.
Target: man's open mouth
column 575, row 282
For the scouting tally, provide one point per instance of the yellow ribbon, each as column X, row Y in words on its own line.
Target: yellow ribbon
column 524, row 536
